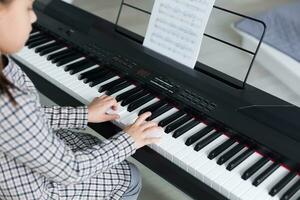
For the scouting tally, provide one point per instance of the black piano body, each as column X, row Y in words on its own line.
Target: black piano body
column 262, row 121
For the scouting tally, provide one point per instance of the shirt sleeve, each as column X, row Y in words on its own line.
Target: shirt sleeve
column 66, row 117
column 25, row 136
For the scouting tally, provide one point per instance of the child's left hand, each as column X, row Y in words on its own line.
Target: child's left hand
column 97, row 110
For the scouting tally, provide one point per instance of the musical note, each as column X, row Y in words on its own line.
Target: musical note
column 176, row 28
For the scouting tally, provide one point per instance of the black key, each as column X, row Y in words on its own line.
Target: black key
column 118, row 88
column 38, row 40
column 282, row 183
column 159, row 112
column 192, row 139
column 134, row 97
column 101, row 78
column 185, row 128
column 128, row 93
column 47, row 46
column 38, row 43
column 62, row 56
column 111, row 84
column 254, row 168
column 238, row 160
column 34, row 30
column 171, row 118
column 152, row 107
column 89, row 73
column 68, row 59
column 50, row 50
column 97, row 77
column 176, row 124
column 78, row 67
column 265, row 174
column 76, row 64
column 35, row 38
column 221, row 148
column 228, row 155
column 139, row 102
column 203, row 143
column 290, row 192
column 54, row 55
column 38, row 35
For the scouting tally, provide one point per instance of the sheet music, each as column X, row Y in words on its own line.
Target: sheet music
column 176, row 28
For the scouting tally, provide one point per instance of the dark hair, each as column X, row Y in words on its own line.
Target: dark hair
column 4, row 83
column 5, row 1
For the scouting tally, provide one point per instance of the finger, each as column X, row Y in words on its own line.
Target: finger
column 155, row 130
column 108, row 98
column 113, row 103
column 96, row 99
column 115, row 106
column 141, row 119
column 111, row 117
column 103, row 96
column 110, row 103
column 148, row 125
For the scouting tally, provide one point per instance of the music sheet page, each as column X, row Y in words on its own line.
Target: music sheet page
column 176, row 28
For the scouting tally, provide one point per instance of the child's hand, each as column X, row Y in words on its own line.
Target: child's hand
column 97, row 110
column 143, row 132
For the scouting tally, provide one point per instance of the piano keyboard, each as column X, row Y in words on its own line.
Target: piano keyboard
column 229, row 167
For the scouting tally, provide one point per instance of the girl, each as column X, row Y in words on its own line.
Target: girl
column 39, row 157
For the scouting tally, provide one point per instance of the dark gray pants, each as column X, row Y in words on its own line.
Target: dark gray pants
column 135, row 184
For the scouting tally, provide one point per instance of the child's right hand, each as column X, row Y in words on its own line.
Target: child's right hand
column 144, row 132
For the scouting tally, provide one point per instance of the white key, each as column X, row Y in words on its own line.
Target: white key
column 262, row 191
column 224, row 175
column 58, row 50
column 196, row 163
column 191, row 158
column 40, row 45
column 235, row 176
column 92, row 92
column 132, row 116
column 177, row 146
column 165, row 115
column 180, row 156
column 247, row 185
column 50, row 42
column 210, row 164
column 32, row 34
column 123, row 90
column 58, row 74
column 166, row 141
column 296, row 196
column 286, row 188
column 216, row 170
column 201, row 157
column 156, row 147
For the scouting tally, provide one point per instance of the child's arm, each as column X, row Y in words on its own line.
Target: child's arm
column 26, row 137
column 69, row 117
column 66, row 117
